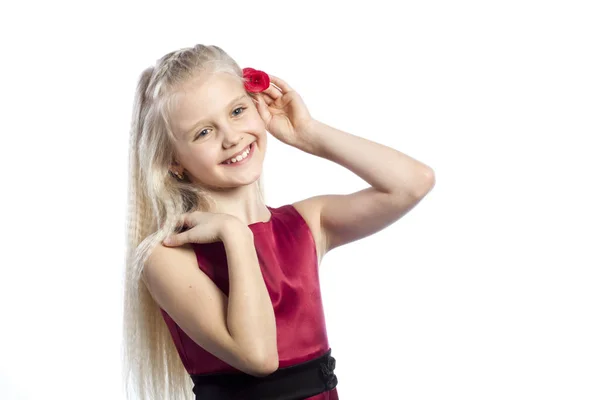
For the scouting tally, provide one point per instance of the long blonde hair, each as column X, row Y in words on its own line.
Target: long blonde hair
column 151, row 364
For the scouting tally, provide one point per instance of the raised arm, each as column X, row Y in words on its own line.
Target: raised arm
column 398, row 182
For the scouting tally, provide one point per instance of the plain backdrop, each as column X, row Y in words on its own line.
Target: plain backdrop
column 488, row 289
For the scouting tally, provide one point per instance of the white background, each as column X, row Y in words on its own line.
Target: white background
column 488, row 289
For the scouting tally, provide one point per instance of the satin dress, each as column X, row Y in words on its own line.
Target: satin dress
column 288, row 260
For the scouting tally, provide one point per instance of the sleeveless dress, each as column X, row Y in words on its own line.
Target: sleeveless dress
column 288, row 260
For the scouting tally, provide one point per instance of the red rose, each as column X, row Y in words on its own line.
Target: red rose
column 255, row 80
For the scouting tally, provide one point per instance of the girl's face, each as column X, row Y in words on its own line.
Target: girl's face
column 214, row 119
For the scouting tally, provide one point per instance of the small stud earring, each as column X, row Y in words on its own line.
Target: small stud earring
column 177, row 174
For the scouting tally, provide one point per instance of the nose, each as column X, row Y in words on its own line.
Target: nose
column 231, row 137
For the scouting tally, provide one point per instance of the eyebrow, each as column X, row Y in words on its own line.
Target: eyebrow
column 193, row 128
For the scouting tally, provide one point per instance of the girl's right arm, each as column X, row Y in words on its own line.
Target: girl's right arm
column 250, row 314
column 239, row 330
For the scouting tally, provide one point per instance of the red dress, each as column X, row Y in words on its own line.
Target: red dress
column 288, row 260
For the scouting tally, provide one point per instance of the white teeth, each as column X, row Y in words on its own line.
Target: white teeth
column 241, row 156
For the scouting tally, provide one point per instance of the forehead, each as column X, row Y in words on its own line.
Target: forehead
column 202, row 98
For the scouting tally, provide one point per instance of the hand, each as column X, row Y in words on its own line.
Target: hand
column 205, row 227
column 284, row 113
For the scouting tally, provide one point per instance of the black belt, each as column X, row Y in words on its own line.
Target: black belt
column 296, row 382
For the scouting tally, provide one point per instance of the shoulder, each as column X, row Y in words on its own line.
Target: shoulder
column 161, row 252
column 310, row 210
column 162, row 255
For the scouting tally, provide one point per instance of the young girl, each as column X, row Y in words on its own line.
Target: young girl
column 220, row 287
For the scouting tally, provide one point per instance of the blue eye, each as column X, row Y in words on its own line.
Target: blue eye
column 239, row 108
column 235, row 114
column 199, row 134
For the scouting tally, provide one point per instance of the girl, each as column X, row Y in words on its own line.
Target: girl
column 220, row 287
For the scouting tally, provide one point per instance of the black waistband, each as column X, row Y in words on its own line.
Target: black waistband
column 296, row 382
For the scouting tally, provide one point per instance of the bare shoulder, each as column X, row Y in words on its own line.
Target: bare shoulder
column 162, row 255
column 184, row 249
column 310, row 209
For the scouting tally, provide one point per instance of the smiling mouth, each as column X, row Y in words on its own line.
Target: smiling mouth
column 249, row 150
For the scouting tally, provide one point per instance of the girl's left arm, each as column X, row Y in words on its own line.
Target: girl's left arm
column 398, row 182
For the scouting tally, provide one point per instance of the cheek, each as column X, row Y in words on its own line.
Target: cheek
column 202, row 160
column 256, row 123
column 254, row 115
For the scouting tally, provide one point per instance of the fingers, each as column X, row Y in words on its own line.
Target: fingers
column 285, row 88
column 177, row 239
column 173, row 240
column 268, row 100
column 182, row 221
column 263, row 109
column 273, row 92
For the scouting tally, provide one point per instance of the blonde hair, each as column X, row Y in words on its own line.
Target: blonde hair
column 151, row 363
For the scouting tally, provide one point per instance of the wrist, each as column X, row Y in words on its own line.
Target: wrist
column 234, row 229
column 309, row 138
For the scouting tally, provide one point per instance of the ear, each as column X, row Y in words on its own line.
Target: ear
column 175, row 167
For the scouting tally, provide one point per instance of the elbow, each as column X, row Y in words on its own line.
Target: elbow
column 427, row 183
column 266, row 367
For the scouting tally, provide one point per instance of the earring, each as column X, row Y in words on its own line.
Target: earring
column 177, row 174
